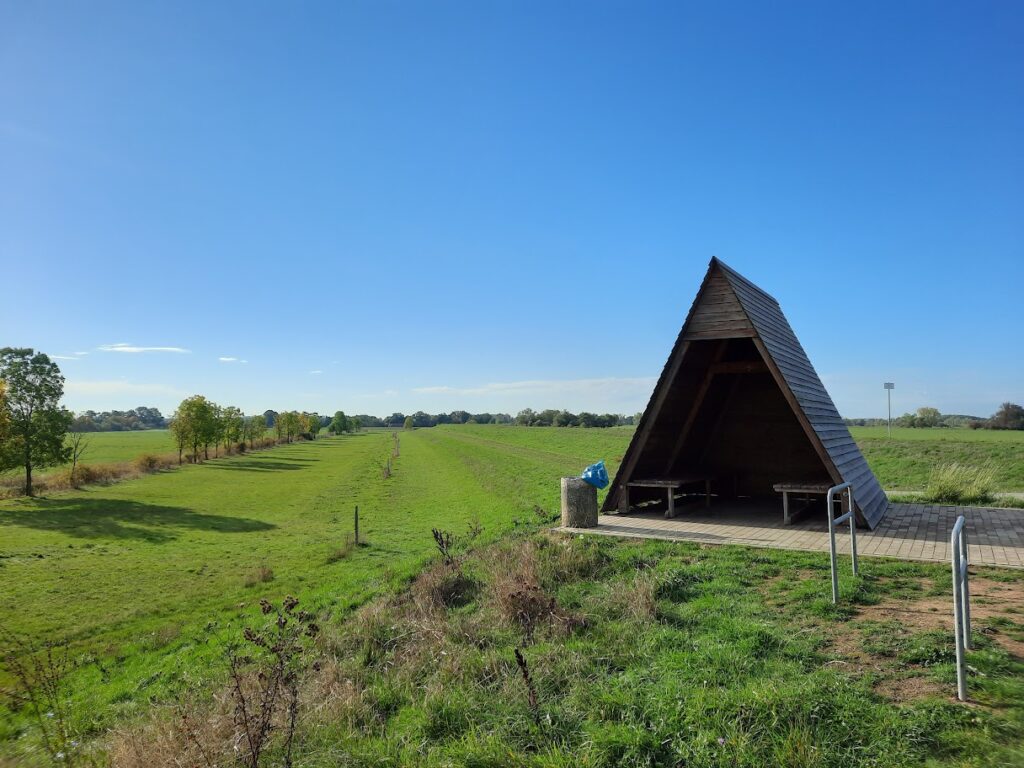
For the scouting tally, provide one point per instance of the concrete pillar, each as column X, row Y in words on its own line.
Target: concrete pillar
column 579, row 503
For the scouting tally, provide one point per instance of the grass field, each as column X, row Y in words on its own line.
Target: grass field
column 147, row 577
column 905, row 461
column 110, row 447
column 134, row 572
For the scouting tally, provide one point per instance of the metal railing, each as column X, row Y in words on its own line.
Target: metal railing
column 844, row 489
column 961, row 604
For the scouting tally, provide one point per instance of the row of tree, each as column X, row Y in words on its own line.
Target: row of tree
column 119, row 421
column 1008, row 416
column 200, row 424
column 526, row 417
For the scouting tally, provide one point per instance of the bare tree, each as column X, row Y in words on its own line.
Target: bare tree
column 78, row 443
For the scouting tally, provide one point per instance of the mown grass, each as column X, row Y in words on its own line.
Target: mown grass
column 114, row 569
column 147, row 577
column 112, row 447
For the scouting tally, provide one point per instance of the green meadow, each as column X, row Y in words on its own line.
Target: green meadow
column 112, row 447
column 148, row 579
column 904, row 461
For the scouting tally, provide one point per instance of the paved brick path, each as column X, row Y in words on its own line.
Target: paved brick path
column 908, row 531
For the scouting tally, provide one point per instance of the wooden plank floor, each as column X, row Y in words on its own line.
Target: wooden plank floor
column 907, row 532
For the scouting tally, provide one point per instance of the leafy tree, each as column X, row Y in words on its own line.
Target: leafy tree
column 213, row 430
column 34, row 387
column 525, row 417
column 365, row 420
column 119, row 421
column 197, row 419
column 232, row 425
column 564, row 419
column 928, row 417
column 459, row 417
column 408, row 423
column 1009, row 416
column 340, row 423
column 270, row 418
column 181, row 429
column 289, row 422
column 253, row 428
column 309, row 424
column 421, row 419
column 5, row 420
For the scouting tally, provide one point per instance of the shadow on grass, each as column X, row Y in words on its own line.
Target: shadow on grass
column 89, row 518
column 243, row 465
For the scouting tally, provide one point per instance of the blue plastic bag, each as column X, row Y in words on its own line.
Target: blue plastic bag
column 596, row 475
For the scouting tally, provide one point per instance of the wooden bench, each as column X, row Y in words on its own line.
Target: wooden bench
column 816, row 489
column 670, row 485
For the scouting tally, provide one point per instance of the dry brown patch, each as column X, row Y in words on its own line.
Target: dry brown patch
column 909, row 688
column 893, row 682
column 997, row 599
column 521, row 600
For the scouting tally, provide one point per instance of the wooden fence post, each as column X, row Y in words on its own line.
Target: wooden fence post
column 357, row 523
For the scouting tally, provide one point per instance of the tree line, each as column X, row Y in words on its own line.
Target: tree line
column 119, row 421
column 200, row 424
column 526, row 418
column 1007, row 416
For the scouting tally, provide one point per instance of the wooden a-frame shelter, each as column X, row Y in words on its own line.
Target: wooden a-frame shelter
column 740, row 405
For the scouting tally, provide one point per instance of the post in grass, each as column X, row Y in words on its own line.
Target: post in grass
column 357, row 524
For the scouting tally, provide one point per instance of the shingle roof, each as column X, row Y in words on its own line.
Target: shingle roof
column 811, row 401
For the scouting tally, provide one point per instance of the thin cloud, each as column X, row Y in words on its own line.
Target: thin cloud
column 315, row 373
column 545, row 386
column 231, row 360
column 131, row 349
column 63, row 357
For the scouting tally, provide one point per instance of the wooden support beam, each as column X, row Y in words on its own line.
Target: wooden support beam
column 801, row 417
column 743, row 366
column 695, row 407
column 719, row 418
column 650, row 415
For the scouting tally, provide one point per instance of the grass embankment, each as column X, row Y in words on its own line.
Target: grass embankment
column 145, row 577
column 134, row 573
column 113, row 447
column 646, row 655
column 906, row 462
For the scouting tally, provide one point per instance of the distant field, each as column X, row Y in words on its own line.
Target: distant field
column 901, row 463
column 112, row 447
column 935, row 435
column 905, row 461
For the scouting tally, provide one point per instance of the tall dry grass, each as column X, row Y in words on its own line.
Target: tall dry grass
column 961, row 484
column 60, row 479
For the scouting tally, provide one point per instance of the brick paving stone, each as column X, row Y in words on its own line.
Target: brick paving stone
column 908, row 531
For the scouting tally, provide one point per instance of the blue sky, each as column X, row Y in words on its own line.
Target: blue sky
column 408, row 205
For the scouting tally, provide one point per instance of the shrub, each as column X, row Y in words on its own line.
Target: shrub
column 960, row 484
column 147, row 462
column 342, row 552
column 443, row 587
column 261, row 575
